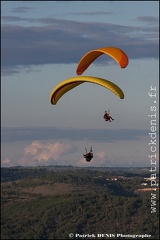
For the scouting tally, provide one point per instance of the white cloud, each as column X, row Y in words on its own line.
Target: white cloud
column 44, row 152
column 38, row 153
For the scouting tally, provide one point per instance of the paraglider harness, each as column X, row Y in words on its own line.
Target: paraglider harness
column 107, row 117
column 88, row 156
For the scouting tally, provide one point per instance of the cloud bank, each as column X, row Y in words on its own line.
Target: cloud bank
column 38, row 153
column 53, row 146
column 55, row 153
column 64, row 41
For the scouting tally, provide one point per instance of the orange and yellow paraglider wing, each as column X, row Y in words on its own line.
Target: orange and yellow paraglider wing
column 117, row 54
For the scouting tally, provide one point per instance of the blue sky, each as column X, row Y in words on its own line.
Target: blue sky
column 42, row 43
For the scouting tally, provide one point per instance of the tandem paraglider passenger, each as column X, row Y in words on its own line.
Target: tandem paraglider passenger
column 107, row 117
column 88, row 156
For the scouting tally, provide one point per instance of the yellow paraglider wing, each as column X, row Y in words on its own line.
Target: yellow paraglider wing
column 117, row 54
column 66, row 85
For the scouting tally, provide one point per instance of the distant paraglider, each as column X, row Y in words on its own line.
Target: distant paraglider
column 107, row 116
column 117, row 54
column 89, row 155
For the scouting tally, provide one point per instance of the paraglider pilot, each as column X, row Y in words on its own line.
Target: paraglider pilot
column 88, row 156
column 107, row 117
